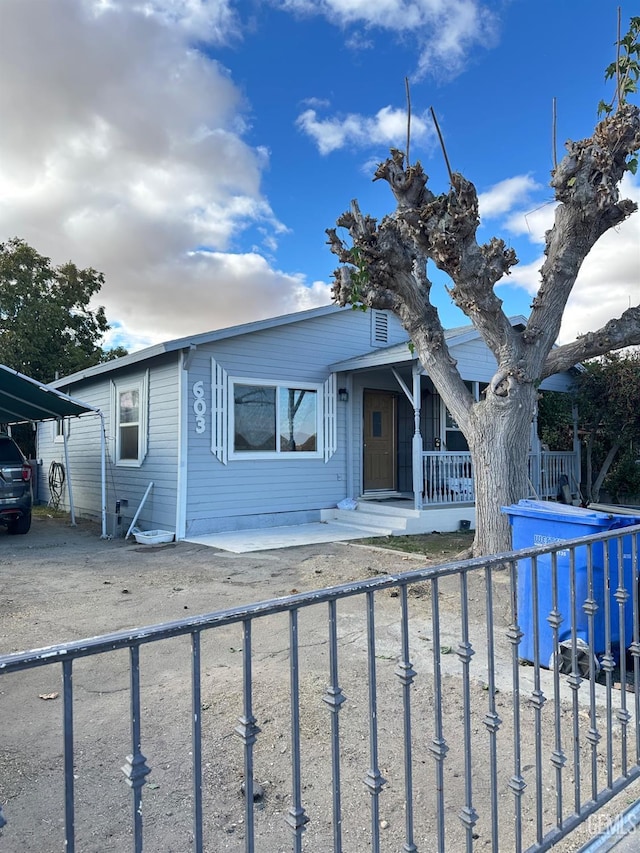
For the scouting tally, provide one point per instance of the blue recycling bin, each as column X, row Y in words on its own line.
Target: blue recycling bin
column 545, row 523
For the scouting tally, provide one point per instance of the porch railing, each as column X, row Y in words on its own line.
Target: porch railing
column 547, row 470
column 441, row 734
column 449, row 478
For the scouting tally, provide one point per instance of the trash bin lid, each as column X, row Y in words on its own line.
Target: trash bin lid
column 567, row 513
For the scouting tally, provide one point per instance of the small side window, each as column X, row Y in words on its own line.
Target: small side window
column 130, row 421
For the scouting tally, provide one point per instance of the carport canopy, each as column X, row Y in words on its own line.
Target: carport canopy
column 23, row 400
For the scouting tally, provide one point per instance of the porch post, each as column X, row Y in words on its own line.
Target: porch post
column 416, row 445
column 577, row 464
column 535, row 459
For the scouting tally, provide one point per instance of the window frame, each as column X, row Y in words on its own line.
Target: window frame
column 279, row 385
column 118, row 387
column 60, row 430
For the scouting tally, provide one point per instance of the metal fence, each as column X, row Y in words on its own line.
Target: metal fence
column 450, row 733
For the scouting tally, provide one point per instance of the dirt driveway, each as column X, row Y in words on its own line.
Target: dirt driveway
column 60, row 583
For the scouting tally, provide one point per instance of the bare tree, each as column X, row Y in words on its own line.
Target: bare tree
column 384, row 266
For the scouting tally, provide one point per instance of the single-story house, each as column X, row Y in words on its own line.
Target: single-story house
column 272, row 423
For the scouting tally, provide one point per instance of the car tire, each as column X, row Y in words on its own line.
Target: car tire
column 20, row 525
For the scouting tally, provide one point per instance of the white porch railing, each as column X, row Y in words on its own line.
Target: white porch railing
column 449, row 479
column 546, row 471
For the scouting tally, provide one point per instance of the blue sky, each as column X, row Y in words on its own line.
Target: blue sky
column 196, row 151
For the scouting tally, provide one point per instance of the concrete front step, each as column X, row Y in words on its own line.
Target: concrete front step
column 376, row 523
column 379, row 520
column 388, row 509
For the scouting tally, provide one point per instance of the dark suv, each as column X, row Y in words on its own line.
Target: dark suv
column 16, row 495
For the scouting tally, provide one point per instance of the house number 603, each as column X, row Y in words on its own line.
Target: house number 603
column 199, row 406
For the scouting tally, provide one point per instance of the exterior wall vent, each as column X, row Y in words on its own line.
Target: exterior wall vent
column 379, row 328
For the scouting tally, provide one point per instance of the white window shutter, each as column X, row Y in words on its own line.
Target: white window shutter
column 219, row 419
column 330, row 427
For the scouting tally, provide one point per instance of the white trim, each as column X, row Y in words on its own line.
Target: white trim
column 141, row 384
column 330, row 425
column 58, row 435
column 219, row 396
column 183, row 447
column 275, row 454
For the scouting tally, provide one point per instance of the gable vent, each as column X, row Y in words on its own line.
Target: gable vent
column 379, row 328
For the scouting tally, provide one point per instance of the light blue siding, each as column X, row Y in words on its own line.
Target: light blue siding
column 250, row 492
column 197, row 489
column 124, row 484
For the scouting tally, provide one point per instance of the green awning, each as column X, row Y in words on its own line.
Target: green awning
column 23, row 399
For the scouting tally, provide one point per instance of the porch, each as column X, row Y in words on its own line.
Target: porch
column 447, row 501
column 402, row 441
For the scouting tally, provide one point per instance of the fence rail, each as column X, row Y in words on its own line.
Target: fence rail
column 453, row 741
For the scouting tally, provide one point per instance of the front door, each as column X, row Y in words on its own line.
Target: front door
column 380, row 449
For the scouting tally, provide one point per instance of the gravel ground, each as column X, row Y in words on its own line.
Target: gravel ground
column 61, row 583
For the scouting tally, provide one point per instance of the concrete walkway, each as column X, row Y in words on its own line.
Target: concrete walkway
column 269, row 538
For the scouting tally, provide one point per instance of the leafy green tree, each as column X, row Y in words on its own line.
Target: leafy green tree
column 608, row 393
column 555, row 420
column 46, row 326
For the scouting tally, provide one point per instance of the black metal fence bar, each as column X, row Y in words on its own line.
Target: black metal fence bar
column 590, row 607
column 606, row 597
column 634, row 648
column 374, row 779
column 296, row 817
column 607, row 663
column 67, row 698
column 558, row 758
column 406, row 674
column 135, row 768
column 248, row 731
column 622, row 598
column 492, row 721
column 574, row 681
column 438, row 745
column 538, row 700
column 334, row 698
column 468, row 815
column 196, row 739
column 514, row 634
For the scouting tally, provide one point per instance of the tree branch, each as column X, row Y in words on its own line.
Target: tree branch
column 614, row 335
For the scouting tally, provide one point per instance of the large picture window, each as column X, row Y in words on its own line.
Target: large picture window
column 273, row 420
column 130, row 421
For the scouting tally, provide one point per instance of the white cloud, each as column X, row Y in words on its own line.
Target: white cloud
column 504, row 196
column 387, row 127
column 608, row 282
column 444, row 31
column 125, row 153
column 211, row 290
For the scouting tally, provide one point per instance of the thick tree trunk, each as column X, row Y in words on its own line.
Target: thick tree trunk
column 499, row 439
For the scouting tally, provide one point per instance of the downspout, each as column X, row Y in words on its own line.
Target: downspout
column 103, row 474
column 184, row 363
column 72, row 510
